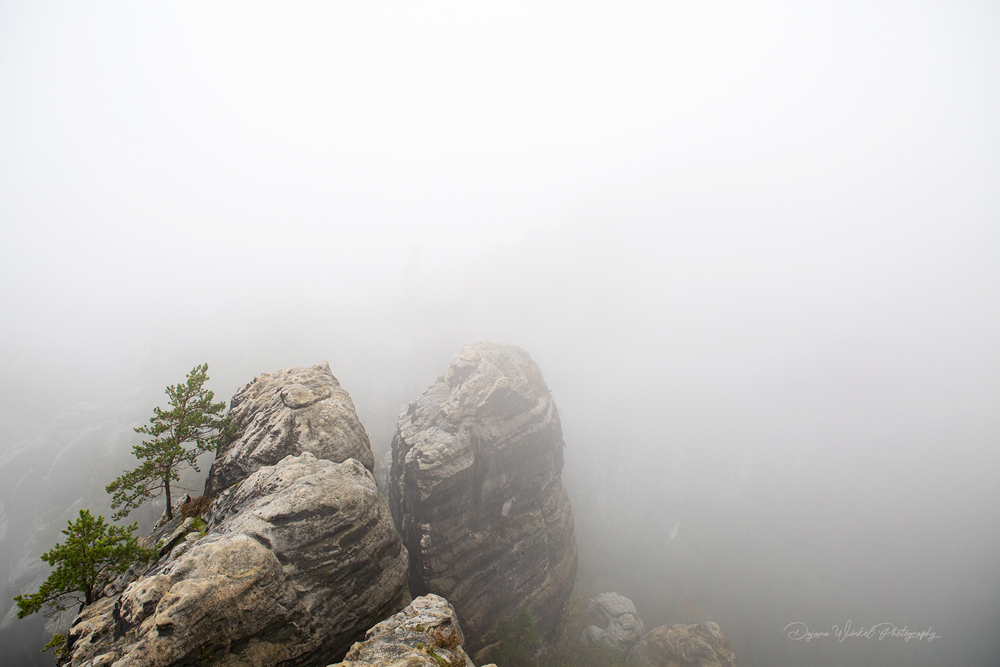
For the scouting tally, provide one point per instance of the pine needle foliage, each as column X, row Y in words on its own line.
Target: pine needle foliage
column 519, row 640
column 92, row 556
column 192, row 418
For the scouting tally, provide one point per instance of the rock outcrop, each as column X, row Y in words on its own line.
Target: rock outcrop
column 476, row 492
column 295, row 563
column 425, row 634
column 613, row 619
column 701, row 645
column 286, row 413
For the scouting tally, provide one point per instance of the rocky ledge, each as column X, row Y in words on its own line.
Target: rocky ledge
column 476, row 492
column 425, row 634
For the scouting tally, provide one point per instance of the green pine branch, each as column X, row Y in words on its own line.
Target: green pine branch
column 192, row 419
column 92, row 556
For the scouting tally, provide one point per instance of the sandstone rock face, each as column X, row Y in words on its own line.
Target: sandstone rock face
column 701, row 645
column 476, row 492
column 421, row 635
column 296, row 562
column 613, row 619
column 286, row 413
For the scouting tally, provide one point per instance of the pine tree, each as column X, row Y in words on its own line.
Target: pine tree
column 192, row 418
column 92, row 556
column 519, row 640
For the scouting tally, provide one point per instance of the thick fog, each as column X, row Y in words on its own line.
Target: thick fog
column 753, row 247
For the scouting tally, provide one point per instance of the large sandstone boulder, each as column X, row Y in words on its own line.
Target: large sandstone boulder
column 422, row 635
column 613, row 619
column 294, row 564
column 286, row 413
column 701, row 645
column 475, row 490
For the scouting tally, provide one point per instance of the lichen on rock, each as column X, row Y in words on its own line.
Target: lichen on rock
column 425, row 634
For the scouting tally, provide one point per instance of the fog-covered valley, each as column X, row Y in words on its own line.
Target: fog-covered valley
column 753, row 251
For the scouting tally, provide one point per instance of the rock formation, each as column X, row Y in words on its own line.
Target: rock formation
column 296, row 562
column 285, row 413
column 425, row 634
column 701, row 645
column 613, row 619
column 475, row 490
column 296, row 557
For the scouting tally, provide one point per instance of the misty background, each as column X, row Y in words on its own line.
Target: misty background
column 754, row 249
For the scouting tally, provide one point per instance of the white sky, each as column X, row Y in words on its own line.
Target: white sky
column 840, row 157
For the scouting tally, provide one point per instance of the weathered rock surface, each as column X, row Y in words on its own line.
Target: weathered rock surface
column 701, row 645
column 613, row 619
column 286, row 413
column 475, row 490
column 297, row 561
column 422, row 635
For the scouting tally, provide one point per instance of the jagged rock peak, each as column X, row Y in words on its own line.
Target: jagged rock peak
column 289, row 412
column 295, row 563
column 613, row 619
column 476, row 492
column 422, row 635
column 701, row 645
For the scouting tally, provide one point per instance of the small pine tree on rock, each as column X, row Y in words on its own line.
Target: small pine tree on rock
column 93, row 555
column 192, row 418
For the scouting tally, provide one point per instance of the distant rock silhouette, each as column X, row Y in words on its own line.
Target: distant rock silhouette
column 701, row 645
column 613, row 619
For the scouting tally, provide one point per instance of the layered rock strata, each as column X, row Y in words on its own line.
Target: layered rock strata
column 295, row 563
column 613, row 619
column 425, row 634
column 286, row 413
column 476, row 493
column 701, row 645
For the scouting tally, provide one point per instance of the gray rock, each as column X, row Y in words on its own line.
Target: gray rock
column 421, row 635
column 701, row 645
column 298, row 561
column 475, row 490
column 613, row 619
column 286, row 413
